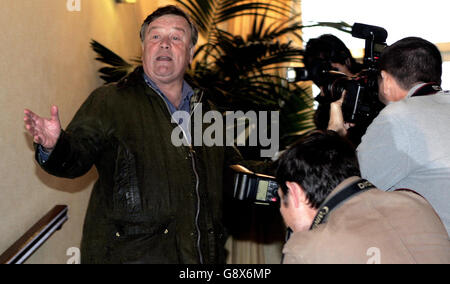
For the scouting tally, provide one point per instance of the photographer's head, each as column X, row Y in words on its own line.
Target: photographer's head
column 308, row 172
column 332, row 50
column 406, row 63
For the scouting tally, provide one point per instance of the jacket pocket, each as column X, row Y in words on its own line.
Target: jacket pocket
column 145, row 243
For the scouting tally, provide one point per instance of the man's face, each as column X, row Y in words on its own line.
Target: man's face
column 167, row 49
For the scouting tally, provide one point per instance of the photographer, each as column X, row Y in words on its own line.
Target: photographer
column 331, row 50
column 328, row 52
column 406, row 146
column 336, row 217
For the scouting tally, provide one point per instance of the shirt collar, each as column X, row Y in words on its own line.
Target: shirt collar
column 186, row 93
column 414, row 89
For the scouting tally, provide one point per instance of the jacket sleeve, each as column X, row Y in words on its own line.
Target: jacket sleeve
column 80, row 145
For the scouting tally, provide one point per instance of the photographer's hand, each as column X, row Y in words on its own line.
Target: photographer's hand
column 337, row 122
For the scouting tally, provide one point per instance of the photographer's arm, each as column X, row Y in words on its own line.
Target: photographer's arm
column 234, row 158
column 337, row 122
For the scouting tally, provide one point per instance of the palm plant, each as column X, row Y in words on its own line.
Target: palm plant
column 243, row 72
column 118, row 67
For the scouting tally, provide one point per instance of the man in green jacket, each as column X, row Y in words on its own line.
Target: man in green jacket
column 153, row 202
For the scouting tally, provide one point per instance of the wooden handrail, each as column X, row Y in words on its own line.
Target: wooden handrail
column 24, row 247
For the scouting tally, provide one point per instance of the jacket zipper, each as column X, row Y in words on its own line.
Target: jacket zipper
column 197, row 182
column 194, row 167
column 197, row 215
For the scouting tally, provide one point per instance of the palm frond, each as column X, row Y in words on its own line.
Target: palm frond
column 341, row 26
column 118, row 67
column 208, row 14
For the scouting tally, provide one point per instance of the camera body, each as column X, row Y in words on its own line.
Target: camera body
column 256, row 188
column 361, row 103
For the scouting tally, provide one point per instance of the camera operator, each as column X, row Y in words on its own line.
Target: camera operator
column 337, row 217
column 406, row 146
column 333, row 51
column 330, row 53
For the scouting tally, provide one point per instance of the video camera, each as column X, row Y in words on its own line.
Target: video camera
column 361, row 103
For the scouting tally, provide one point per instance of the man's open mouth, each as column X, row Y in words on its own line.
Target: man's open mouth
column 163, row 58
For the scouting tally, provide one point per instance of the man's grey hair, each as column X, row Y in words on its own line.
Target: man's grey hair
column 170, row 10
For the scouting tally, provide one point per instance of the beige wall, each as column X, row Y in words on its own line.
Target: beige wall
column 45, row 59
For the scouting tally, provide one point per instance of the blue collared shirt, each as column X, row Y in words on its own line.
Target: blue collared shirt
column 186, row 93
column 185, row 105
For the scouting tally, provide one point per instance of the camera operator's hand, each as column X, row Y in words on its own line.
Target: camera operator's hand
column 337, row 122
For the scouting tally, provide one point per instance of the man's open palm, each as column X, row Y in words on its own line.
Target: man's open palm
column 45, row 131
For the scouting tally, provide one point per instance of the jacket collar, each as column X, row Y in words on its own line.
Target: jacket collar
column 136, row 78
column 340, row 187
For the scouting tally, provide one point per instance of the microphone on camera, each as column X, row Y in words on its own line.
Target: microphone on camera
column 363, row 31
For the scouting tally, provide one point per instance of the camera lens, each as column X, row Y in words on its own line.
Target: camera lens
column 336, row 84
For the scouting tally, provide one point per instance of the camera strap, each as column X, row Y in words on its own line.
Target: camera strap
column 350, row 191
column 427, row 89
column 353, row 189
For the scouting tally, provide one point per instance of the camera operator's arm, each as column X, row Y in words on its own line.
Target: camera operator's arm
column 337, row 122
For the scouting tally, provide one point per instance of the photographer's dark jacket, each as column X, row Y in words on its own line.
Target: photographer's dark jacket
column 153, row 202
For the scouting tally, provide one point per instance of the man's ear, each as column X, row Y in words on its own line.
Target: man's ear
column 296, row 193
column 388, row 80
column 384, row 75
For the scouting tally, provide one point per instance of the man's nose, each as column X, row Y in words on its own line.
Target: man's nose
column 165, row 43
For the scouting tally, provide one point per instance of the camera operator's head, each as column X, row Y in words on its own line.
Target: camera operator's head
column 406, row 63
column 309, row 171
column 330, row 49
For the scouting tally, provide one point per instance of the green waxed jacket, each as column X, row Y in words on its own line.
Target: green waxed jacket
column 153, row 202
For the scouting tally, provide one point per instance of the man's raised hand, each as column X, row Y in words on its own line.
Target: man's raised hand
column 45, row 131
